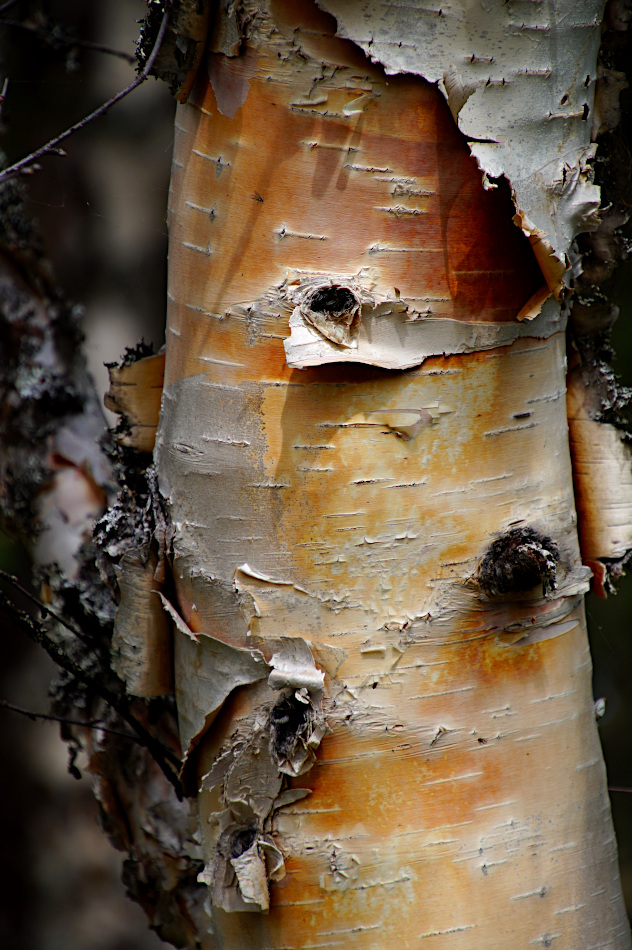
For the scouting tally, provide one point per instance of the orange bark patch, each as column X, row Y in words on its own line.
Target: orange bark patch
column 391, row 187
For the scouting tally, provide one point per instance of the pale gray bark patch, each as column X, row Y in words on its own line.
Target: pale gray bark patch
column 218, row 669
column 524, row 106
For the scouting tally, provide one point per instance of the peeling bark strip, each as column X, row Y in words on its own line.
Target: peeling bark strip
column 135, row 392
column 505, row 69
column 602, row 469
column 184, row 44
column 383, row 543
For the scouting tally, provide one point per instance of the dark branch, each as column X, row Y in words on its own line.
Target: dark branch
column 27, row 164
column 43, row 607
column 57, row 37
column 39, row 635
column 85, row 723
column 3, row 94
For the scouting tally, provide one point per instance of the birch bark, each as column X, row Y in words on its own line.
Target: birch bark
column 387, row 717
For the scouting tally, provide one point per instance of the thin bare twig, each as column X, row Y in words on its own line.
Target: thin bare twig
column 36, row 632
column 8, row 5
column 39, row 635
column 3, row 94
column 87, row 723
column 42, row 606
column 27, row 164
column 65, row 39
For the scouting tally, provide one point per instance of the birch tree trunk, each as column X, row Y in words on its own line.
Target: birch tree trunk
column 381, row 666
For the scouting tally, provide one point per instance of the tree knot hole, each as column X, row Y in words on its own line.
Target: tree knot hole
column 242, row 841
column 290, row 721
column 335, row 312
column 518, row 561
column 333, row 302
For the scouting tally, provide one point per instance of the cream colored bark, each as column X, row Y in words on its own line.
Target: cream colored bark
column 386, row 748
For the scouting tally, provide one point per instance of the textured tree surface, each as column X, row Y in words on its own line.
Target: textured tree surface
column 382, row 673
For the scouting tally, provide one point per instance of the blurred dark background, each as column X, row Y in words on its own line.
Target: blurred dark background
column 102, row 210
